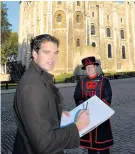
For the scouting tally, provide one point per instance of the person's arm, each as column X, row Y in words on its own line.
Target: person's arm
column 37, row 119
column 107, row 92
column 78, row 93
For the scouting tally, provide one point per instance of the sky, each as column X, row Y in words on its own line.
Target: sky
column 13, row 14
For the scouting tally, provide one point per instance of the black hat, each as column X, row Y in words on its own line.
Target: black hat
column 89, row 61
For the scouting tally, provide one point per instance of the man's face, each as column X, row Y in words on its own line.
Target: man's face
column 47, row 56
column 91, row 70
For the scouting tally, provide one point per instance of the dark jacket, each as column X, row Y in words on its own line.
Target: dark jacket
column 38, row 107
column 101, row 137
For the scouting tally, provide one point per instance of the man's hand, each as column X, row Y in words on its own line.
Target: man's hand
column 83, row 120
column 65, row 113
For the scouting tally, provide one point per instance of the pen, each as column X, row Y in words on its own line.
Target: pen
column 86, row 106
column 83, row 106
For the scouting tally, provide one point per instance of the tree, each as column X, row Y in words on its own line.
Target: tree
column 10, row 47
column 9, row 40
column 5, row 25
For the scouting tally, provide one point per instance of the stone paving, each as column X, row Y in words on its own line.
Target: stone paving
column 123, row 121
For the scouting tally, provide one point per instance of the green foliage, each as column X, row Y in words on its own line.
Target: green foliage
column 62, row 77
column 9, row 40
column 13, row 43
column 5, row 25
column 10, row 86
column 9, row 47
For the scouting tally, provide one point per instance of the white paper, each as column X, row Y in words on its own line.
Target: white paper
column 99, row 112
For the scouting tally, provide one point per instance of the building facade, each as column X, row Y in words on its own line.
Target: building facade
column 102, row 29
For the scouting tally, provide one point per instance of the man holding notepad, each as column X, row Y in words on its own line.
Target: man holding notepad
column 100, row 139
column 38, row 105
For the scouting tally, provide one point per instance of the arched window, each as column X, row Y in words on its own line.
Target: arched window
column 59, row 2
column 107, row 17
column 122, row 34
column 88, row 38
column 93, row 44
column 59, row 18
column 123, row 52
column 109, row 51
column 92, row 30
column 108, row 32
column 78, row 42
column 78, row 3
column 92, row 14
column 78, row 18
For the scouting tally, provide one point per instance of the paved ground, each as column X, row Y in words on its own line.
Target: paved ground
column 123, row 122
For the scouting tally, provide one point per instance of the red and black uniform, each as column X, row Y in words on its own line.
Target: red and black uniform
column 100, row 138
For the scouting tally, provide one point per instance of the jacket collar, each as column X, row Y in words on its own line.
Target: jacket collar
column 43, row 72
column 46, row 77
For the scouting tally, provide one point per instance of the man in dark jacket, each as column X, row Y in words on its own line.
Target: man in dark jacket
column 38, row 106
column 100, row 139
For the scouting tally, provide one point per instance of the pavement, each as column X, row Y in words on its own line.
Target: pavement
column 123, row 121
column 62, row 85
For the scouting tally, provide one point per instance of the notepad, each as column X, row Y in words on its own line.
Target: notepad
column 99, row 113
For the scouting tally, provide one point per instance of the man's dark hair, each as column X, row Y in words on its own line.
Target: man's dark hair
column 36, row 42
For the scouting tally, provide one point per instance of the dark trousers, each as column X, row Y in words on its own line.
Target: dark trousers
column 107, row 151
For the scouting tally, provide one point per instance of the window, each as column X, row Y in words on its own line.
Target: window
column 28, row 2
column 92, row 30
column 122, row 34
column 107, row 17
column 59, row 18
column 78, row 3
column 121, row 20
column 59, row 2
column 109, row 51
column 78, row 43
column 93, row 44
column 78, row 18
column 108, row 33
column 88, row 38
column 123, row 52
column 92, row 14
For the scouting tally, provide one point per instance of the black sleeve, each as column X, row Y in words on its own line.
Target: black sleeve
column 78, row 93
column 107, row 92
column 43, row 135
